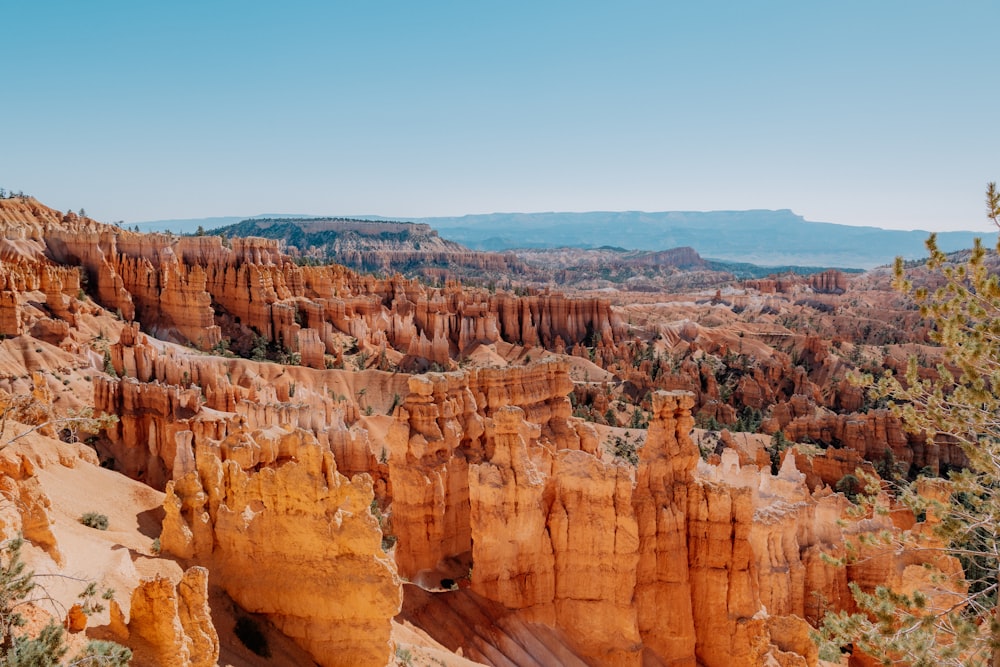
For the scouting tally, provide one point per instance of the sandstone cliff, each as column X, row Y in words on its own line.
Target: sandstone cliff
column 296, row 542
column 599, row 550
column 172, row 625
column 305, row 488
column 200, row 290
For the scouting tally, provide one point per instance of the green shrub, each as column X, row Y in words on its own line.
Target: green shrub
column 404, row 656
column 625, row 449
column 849, row 485
column 47, row 647
column 95, row 520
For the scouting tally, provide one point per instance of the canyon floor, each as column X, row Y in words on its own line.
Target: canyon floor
column 309, row 465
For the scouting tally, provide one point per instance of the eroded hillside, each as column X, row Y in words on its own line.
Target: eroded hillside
column 374, row 471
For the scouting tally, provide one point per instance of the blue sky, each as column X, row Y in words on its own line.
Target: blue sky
column 877, row 112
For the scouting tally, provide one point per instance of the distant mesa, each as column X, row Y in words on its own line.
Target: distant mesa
column 415, row 250
column 381, row 247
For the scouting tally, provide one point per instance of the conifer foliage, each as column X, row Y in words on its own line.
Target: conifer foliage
column 47, row 648
column 960, row 404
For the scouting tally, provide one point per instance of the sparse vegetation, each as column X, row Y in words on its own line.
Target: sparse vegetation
column 404, row 657
column 109, row 368
column 258, row 350
column 960, row 404
column 625, row 448
column 95, row 520
column 779, row 443
column 47, row 648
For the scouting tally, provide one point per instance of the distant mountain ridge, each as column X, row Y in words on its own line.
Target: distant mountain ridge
column 416, row 250
column 761, row 237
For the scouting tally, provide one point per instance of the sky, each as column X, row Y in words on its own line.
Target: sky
column 874, row 112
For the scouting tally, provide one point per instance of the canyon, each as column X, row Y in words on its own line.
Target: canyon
column 376, row 470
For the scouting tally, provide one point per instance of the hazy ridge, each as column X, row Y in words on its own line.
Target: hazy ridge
column 762, row 237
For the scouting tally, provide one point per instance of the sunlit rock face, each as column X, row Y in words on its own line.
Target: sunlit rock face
column 296, row 542
column 174, row 622
column 282, row 480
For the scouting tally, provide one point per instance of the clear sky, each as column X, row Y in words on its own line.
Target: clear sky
column 872, row 112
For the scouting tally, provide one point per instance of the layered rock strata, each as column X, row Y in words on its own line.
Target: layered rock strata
column 675, row 562
column 335, row 591
column 188, row 289
column 173, row 623
column 441, row 429
column 163, row 396
column 622, row 561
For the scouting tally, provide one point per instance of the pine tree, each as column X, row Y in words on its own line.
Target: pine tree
column 16, row 584
column 960, row 406
column 18, row 589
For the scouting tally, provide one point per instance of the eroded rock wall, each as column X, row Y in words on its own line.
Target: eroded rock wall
column 296, row 542
column 173, row 623
column 187, row 289
column 440, row 430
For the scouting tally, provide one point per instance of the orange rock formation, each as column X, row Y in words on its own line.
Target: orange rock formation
column 174, row 622
column 296, row 542
column 281, row 480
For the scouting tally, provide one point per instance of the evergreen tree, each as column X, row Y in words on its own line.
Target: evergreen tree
column 17, row 590
column 961, row 406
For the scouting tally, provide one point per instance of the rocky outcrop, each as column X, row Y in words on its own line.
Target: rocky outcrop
column 440, row 430
column 24, row 507
column 663, row 481
column 377, row 246
column 554, row 530
column 300, row 528
column 437, row 431
column 10, row 314
column 825, row 282
column 874, row 435
column 513, row 557
column 163, row 396
column 595, row 545
column 599, row 551
column 828, row 282
column 554, row 536
column 172, row 624
column 197, row 290
column 34, row 291
column 829, row 466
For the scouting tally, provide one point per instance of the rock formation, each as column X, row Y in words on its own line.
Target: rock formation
column 189, row 289
column 599, row 550
column 24, row 507
column 377, row 246
column 174, row 622
column 304, row 487
column 299, row 528
column 440, row 430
